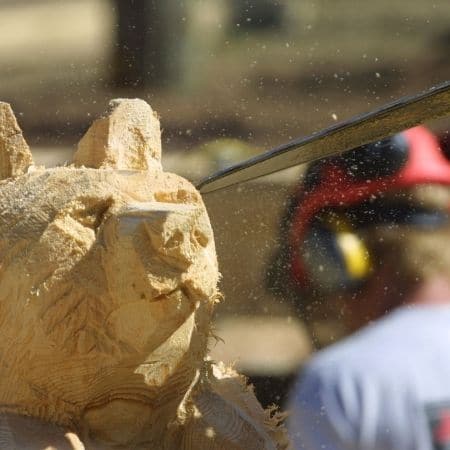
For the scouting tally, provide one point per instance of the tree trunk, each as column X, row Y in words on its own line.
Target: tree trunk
column 148, row 42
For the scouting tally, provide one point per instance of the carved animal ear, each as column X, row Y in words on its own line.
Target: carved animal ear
column 15, row 155
column 128, row 137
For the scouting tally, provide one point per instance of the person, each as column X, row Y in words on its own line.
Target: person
column 368, row 234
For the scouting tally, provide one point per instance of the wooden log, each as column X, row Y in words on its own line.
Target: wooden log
column 108, row 282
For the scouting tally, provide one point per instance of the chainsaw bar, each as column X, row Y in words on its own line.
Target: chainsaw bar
column 373, row 126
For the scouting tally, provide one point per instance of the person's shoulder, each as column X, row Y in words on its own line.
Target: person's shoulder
column 327, row 397
column 357, row 386
column 365, row 353
column 339, row 380
column 383, row 353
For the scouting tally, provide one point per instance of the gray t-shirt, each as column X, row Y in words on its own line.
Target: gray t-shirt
column 385, row 387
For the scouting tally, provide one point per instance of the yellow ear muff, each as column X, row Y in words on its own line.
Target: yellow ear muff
column 354, row 252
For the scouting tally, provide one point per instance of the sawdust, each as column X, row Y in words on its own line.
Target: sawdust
column 108, row 279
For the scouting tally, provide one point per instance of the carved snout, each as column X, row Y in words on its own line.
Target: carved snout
column 152, row 252
column 151, row 246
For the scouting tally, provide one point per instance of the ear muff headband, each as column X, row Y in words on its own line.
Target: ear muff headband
column 337, row 188
column 377, row 160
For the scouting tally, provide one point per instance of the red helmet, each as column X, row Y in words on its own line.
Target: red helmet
column 408, row 159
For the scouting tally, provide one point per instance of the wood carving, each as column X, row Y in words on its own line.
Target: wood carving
column 108, row 279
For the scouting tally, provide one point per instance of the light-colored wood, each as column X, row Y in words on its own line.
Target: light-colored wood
column 127, row 137
column 108, row 280
column 15, row 156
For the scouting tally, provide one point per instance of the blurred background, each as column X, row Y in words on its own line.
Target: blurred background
column 229, row 79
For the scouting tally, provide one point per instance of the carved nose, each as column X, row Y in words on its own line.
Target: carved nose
column 172, row 231
column 149, row 246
